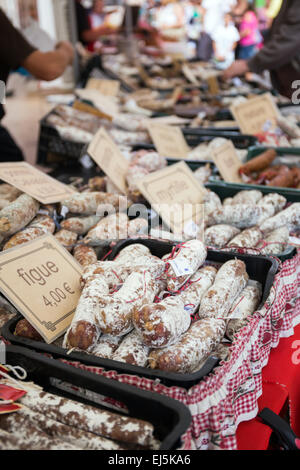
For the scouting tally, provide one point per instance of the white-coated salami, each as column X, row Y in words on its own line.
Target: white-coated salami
column 249, row 238
column 274, row 199
column 220, row 235
column 17, row 215
column 229, row 282
column 163, row 323
column 275, row 242
column 252, row 196
column 114, row 316
column 289, row 217
column 239, row 215
column 190, row 258
column 245, row 305
column 184, row 356
column 132, row 350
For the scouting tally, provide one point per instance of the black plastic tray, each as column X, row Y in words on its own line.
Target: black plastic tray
column 260, row 268
column 170, row 418
column 195, row 137
column 50, row 142
column 226, row 190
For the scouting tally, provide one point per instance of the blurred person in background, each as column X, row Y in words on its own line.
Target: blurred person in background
column 214, row 11
column 250, row 36
column 280, row 54
column 273, row 8
column 225, row 39
column 15, row 52
column 90, row 23
column 262, row 16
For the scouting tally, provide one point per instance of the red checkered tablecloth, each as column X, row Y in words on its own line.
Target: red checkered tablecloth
column 229, row 395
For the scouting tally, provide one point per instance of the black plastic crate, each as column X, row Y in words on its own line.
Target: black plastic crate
column 50, row 142
column 170, row 418
column 260, row 268
column 195, row 137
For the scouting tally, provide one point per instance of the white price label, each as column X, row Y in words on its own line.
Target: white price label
column 180, row 267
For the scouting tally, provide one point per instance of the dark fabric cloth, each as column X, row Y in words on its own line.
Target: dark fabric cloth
column 9, row 151
column 82, row 18
column 14, row 49
column 246, row 52
column 281, row 52
column 204, row 47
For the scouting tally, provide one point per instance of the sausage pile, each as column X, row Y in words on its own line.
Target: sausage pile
column 251, row 220
column 168, row 314
column 50, row 422
column 261, row 171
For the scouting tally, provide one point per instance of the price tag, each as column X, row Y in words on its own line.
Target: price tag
column 253, row 114
column 168, row 140
column 189, row 74
column 35, row 183
column 181, row 267
column 175, row 195
column 227, row 162
column 42, row 280
column 109, row 158
column 213, row 85
column 106, row 87
column 105, row 104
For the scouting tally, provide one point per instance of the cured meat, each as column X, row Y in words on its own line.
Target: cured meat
column 113, row 227
column 289, row 217
column 276, row 242
column 67, row 239
column 88, row 203
column 239, row 215
column 247, row 197
column 249, row 238
column 162, row 324
column 106, row 346
column 80, row 225
column 245, row 305
column 196, row 344
column 40, row 226
column 87, row 418
column 220, row 235
column 190, row 258
column 229, row 282
column 85, row 255
column 17, row 215
column 132, row 350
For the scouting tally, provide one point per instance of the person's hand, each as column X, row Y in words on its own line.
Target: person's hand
column 67, row 48
column 238, row 68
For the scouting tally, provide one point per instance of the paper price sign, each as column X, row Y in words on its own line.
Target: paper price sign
column 109, row 158
column 42, row 280
column 255, row 113
column 227, row 162
column 168, row 140
column 175, row 195
column 35, row 183
column 213, row 85
column 106, row 87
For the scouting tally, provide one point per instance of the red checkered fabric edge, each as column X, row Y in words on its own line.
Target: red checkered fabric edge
column 229, row 395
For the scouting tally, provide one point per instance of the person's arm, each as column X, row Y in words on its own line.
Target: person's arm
column 282, row 46
column 91, row 35
column 49, row 65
